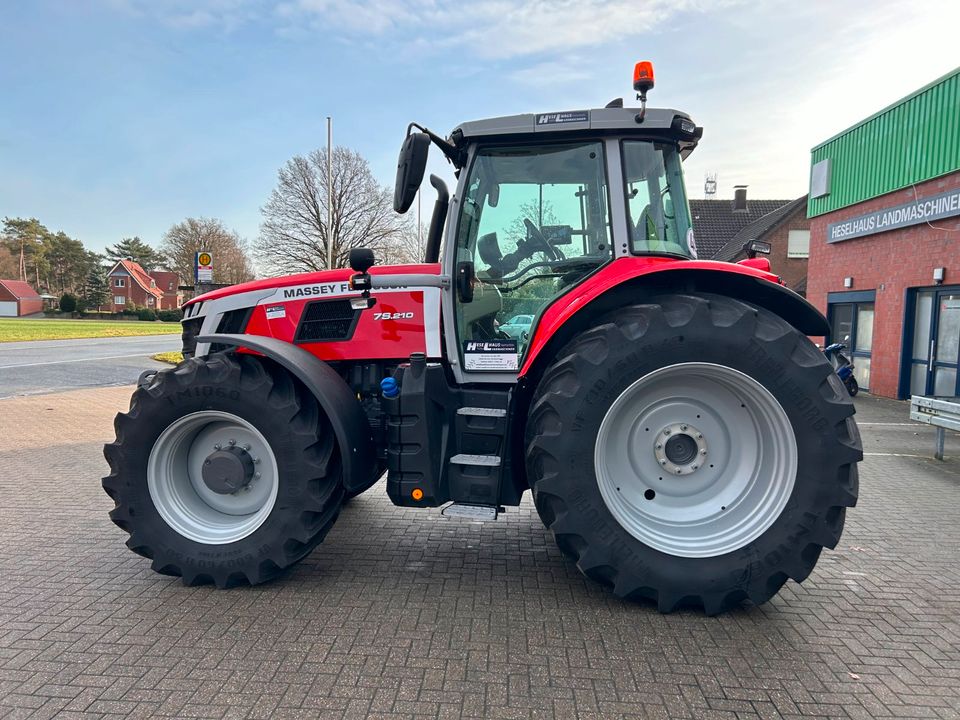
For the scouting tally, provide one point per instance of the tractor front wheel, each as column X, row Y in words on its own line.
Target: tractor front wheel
column 695, row 450
column 225, row 470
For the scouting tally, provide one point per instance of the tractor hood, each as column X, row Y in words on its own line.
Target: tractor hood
column 321, row 276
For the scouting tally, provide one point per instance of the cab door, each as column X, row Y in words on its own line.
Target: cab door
column 533, row 220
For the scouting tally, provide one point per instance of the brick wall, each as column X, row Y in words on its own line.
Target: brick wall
column 792, row 270
column 131, row 290
column 889, row 263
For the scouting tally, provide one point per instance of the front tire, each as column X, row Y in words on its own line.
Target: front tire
column 749, row 495
column 224, row 470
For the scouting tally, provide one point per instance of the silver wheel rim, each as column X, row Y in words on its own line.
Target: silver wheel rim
column 703, row 496
column 179, row 493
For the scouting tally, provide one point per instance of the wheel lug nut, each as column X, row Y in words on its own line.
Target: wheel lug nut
column 217, row 446
column 247, row 447
column 233, row 442
column 659, row 446
column 256, row 460
column 703, row 452
column 256, row 475
column 683, row 427
column 699, row 436
column 667, row 431
column 663, row 462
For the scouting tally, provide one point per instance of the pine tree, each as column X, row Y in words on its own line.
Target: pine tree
column 137, row 250
column 96, row 291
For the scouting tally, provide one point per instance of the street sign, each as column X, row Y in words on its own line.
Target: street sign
column 203, row 267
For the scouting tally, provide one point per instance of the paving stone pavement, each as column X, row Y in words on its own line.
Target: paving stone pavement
column 402, row 613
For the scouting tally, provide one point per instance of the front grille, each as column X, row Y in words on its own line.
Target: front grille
column 325, row 320
column 188, row 335
column 234, row 321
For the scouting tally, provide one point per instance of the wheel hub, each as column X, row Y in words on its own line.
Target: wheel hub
column 695, row 459
column 680, row 448
column 213, row 477
column 228, row 471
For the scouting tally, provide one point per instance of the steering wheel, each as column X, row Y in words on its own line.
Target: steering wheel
column 537, row 235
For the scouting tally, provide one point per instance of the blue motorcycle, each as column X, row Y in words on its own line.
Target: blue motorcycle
column 841, row 363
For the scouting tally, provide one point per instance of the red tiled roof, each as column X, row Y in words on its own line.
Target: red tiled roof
column 19, row 289
column 164, row 278
column 140, row 275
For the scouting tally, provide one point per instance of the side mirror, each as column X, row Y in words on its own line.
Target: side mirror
column 410, row 168
column 362, row 259
column 759, row 246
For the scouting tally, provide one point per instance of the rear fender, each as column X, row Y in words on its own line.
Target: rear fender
column 332, row 393
column 628, row 282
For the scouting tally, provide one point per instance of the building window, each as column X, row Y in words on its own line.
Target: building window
column 118, row 282
column 798, row 244
column 119, row 300
column 150, row 300
column 852, row 324
column 169, row 286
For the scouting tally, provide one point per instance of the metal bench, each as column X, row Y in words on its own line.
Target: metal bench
column 940, row 412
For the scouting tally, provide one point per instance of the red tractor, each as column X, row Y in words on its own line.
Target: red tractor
column 682, row 438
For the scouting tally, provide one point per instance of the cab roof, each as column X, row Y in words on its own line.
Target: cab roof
column 662, row 122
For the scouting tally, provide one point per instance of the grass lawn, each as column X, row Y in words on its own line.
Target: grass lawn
column 14, row 330
column 174, row 358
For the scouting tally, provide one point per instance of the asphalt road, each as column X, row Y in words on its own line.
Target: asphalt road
column 46, row 366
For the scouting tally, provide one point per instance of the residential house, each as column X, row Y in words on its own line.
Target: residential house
column 131, row 285
column 787, row 229
column 716, row 222
column 169, row 283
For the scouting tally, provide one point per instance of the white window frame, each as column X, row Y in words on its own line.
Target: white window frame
column 119, row 282
column 801, row 237
column 119, row 300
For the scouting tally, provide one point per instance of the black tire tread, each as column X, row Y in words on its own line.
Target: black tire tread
column 291, row 403
column 562, row 381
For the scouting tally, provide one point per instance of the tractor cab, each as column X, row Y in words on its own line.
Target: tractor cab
column 543, row 202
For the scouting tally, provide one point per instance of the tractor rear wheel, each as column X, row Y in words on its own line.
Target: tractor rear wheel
column 695, row 450
column 225, row 470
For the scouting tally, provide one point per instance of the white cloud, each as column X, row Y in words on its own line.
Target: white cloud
column 499, row 29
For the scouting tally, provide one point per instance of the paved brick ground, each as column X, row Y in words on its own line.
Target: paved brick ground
column 405, row 614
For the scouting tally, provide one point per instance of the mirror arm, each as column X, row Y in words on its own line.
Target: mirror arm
column 449, row 150
column 437, row 220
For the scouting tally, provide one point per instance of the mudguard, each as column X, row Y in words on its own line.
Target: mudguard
column 627, row 281
column 334, row 395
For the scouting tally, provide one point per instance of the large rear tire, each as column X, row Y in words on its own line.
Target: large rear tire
column 224, row 470
column 695, row 450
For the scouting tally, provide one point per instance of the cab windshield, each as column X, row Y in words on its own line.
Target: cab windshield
column 659, row 218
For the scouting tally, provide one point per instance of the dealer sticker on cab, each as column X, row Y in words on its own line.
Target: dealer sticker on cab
column 275, row 312
column 490, row 355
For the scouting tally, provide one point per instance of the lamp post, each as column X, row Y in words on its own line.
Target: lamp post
column 329, row 192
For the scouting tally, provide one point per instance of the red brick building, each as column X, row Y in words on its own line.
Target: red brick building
column 131, row 285
column 18, row 298
column 169, row 284
column 885, row 242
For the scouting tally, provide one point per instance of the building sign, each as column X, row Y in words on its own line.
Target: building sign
column 914, row 212
column 204, row 267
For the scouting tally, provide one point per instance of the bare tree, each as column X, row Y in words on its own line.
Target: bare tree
column 231, row 264
column 293, row 235
column 407, row 247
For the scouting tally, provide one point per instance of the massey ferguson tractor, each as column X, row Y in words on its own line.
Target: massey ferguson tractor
column 682, row 438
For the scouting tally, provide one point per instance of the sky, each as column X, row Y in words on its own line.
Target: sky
column 123, row 117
